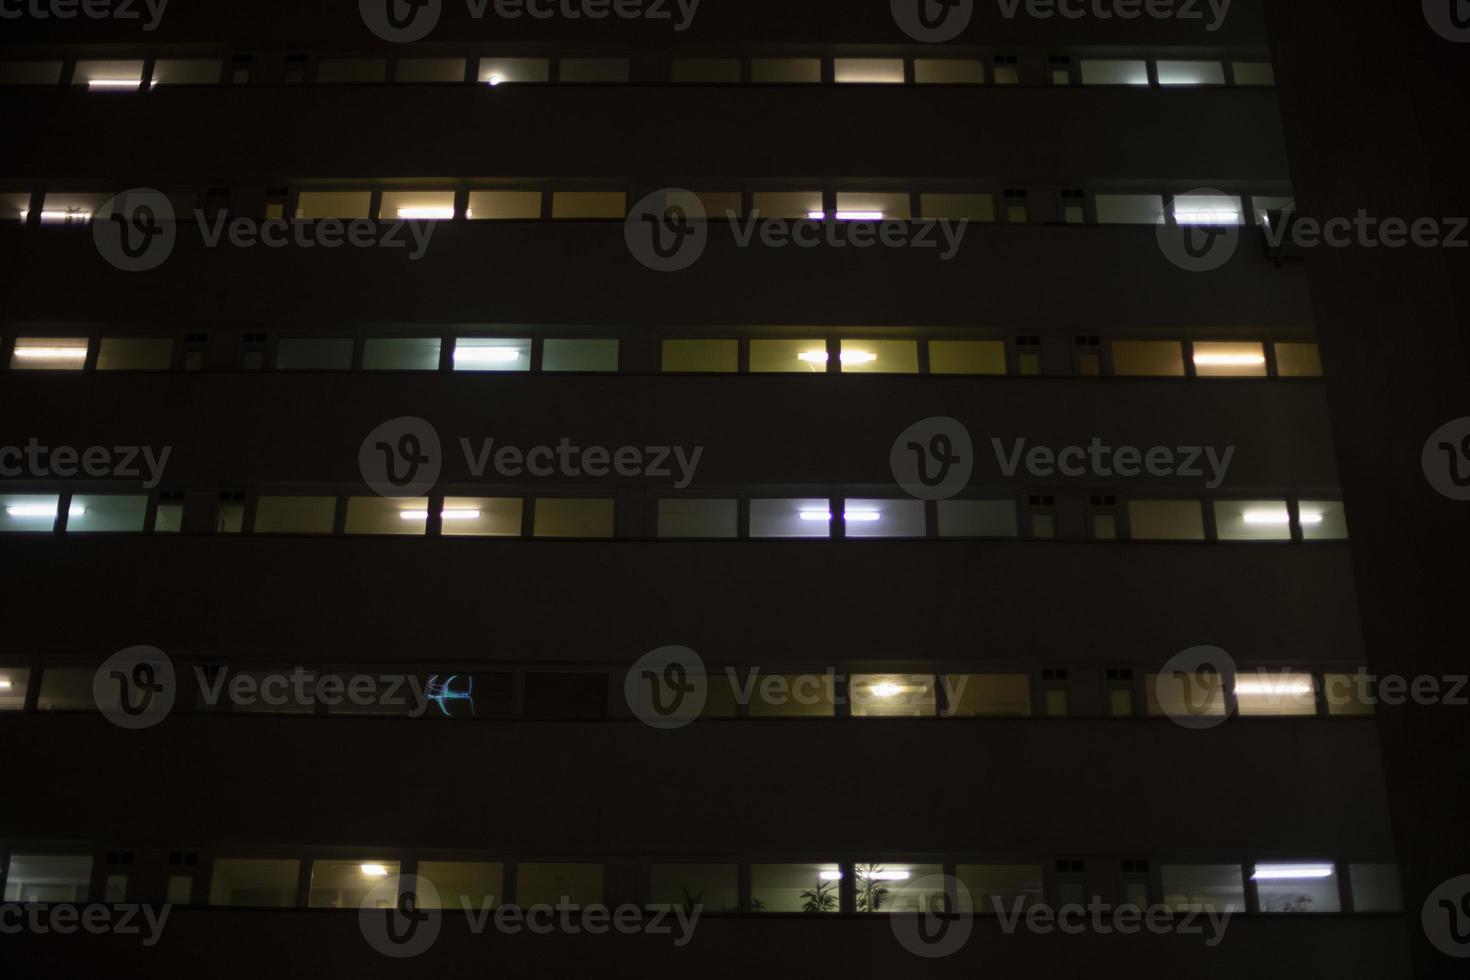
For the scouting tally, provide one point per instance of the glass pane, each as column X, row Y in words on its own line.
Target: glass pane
column 589, row 204
column 106, row 513
column 567, row 695
column 1186, row 695
column 1229, row 360
column 712, row 887
column 109, row 76
column 346, row 884
column 1305, row 886
column 254, row 882
column 948, row 71
column 29, row 512
column 1191, row 73
column 377, row 515
column 1204, row 887
column 186, row 71
column 880, row 357
column 872, row 206
column 706, row 70
column 892, row 695
column 1254, row 73
column 1298, row 360
column 1095, row 72
column 483, row 517
column 976, row 207
column 967, row 357
column 1148, row 358
column 1166, row 520
column 580, row 355
column 593, row 70
column 801, row 356
column 492, row 354
column 792, row 695
column 786, row 204
column 496, row 71
column 463, row 885
column 41, row 878
column 30, row 72
column 295, row 515
column 14, row 206
column 574, row 517
column 314, row 354
column 67, row 689
column 809, row 517
column 866, row 518
column 975, row 695
column 1207, row 209
column 888, row 886
column 1323, row 520
column 1274, row 692
column 1348, row 694
column 180, row 889
column 551, row 884
column 1376, row 888
column 887, row 71
column 794, row 887
column 129, row 354
column 430, row 70
column 417, row 205
column 684, row 518
column 14, row 681
column 1252, row 520
column 785, row 71
column 1129, row 209
column 333, row 71
column 70, row 209
column 49, row 354
column 401, row 354
column 701, row 355
column 994, row 888
column 504, row 206
column 978, row 519
column 313, row 205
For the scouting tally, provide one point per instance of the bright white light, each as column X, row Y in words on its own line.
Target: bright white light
column 1277, row 517
column 831, row 876
column 1278, row 872
column 428, row 213
column 861, row 516
column 1207, row 217
column 486, row 355
column 375, row 871
column 1229, row 360
column 1270, row 688
column 887, row 689
column 75, row 214
column 1311, row 518
column 448, row 515
column 887, row 875
column 112, row 83
column 848, row 357
column 495, row 79
column 846, row 215
column 51, row 353
column 813, row 356
column 32, row 510
column 816, row 515
column 5, row 684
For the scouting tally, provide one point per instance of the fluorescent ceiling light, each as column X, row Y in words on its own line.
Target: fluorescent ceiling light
column 495, row 79
column 846, row 215
column 5, row 684
column 51, row 353
column 848, row 356
column 887, row 689
column 32, row 510
column 113, row 83
column 375, row 871
column 831, row 876
column 813, row 356
column 852, row 516
column 1207, row 217
column 1229, row 360
column 429, row 213
column 76, row 214
column 1291, row 872
column 1311, row 518
column 486, row 355
column 887, row 875
column 1272, row 687
column 1266, row 517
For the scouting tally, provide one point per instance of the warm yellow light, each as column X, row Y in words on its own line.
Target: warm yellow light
column 374, row 871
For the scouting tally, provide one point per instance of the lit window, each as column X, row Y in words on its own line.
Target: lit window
column 70, row 209
column 481, row 517
column 866, row 518
column 442, row 70
column 49, row 354
column 1295, row 360
column 1007, row 72
column 1253, row 72
column 556, row 884
column 106, row 513
column 230, row 517
column 589, row 204
column 169, row 516
column 314, row 205
column 788, row 356
column 1129, row 209
column 30, row 72
column 67, row 689
column 793, row 518
column 1376, row 888
column 130, row 354
column 564, row 696
column 888, row 886
column 15, row 206
column 978, row 519
column 346, row 884
column 706, row 71
column 720, row 205
column 1252, row 520
column 976, row 695
column 710, row 887
column 378, row 515
column 417, row 206
column 14, row 682
column 496, row 71
column 1263, row 206
column 1191, row 73
column 463, row 885
column 786, row 204
column 880, row 357
column 254, row 883
column 295, row 515
column 492, row 354
column 1323, row 520
column 795, row 888
column 869, row 71
column 792, row 696
column 337, row 71
column 967, row 357
column 1148, row 358
column 595, row 71
column 1097, row 72
column 976, row 207
column 703, row 356
column 948, row 71
column 187, row 71
column 1208, row 209
column 1204, row 887
column 1349, row 695
column 995, row 888
column 892, row 695
column 109, row 76
column 785, row 71
column 1185, row 694
column 504, row 206
column 43, row 879
column 29, row 512
column 869, row 206
column 314, row 354
column 695, row 518
column 1268, row 692
column 574, row 517
column 580, row 355
column 1214, row 359
column 401, row 354
column 1166, row 520
column 1297, row 886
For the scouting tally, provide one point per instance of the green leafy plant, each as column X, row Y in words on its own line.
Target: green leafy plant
column 823, row 898
column 871, row 890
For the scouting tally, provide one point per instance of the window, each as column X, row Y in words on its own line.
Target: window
column 792, row 696
column 712, row 887
column 29, row 512
column 492, row 354
column 295, row 515
column 401, row 354
column 496, row 71
column 872, row 206
column 106, row 513
column 795, row 888
column 1308, row 886
column 254, row 883
column 880, row 357
column 978, row 519
column 352, row 70
column 481, row 517
column 1096, row 72
column 1186, row 695
column 467, row 696
column 187, row 71
column 563, row 696
column 788, row 356
column 596, row 71
column 1204, row 887
column 1323, row 520
column 130, row 354
column 346, row 884
column 786, row 204
column 694, row 518
column 892, row 695
column 168, row 518
column 809, row 517
column 314, row 354
column 1349, row 695
column 1129, row 209
column 967, row 357
column 886, row 886
column 230, row 517
column 314, row 205
column 30, row 72
column 504, row 206
column 580, row 355
column 430, row 70
column 1252, row 520
column 1253, row 73
column 976, row 207
column 67, row 689
column 1376, row 888
column 1191, row 73
column 1207, row 209
column 705, row 71
column 981, row 695
column 463, row 885
column 948, row 71
column 589, row 204
column 1166, row 520
column 1275, row 693
column 996, row 888
column 378, row 515
column 70, row 209
column 1148, row 358
column 705, row 356
column 1213, row 359
column 46, row 878
column 868, row 518
column 1007, row 72
column 553, row 884
column 868, row 71
column 49, row 354
column 1296, row 360
column 417, row 206
column 1264, row 205
column 109, row 76
column 573, row 517
column 15, row 206
column 14, row 681
column 720, row 205
column 785, row 71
